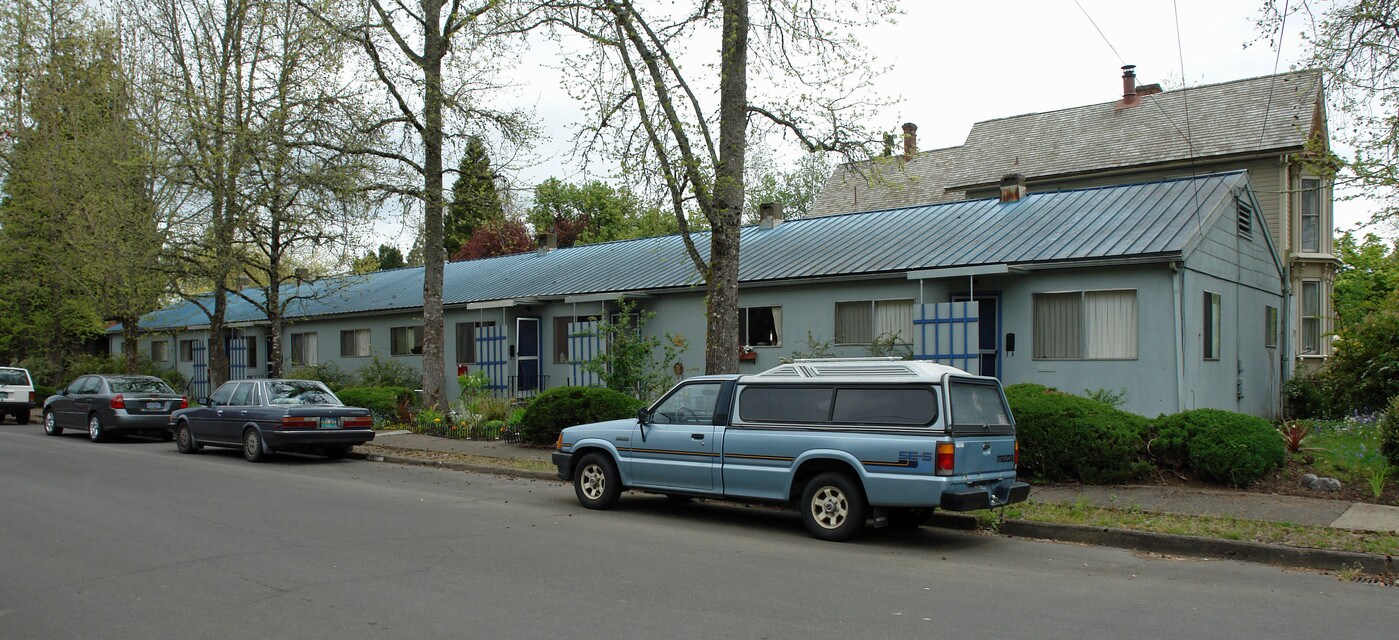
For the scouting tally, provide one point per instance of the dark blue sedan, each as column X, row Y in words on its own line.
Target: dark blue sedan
column 266, row 416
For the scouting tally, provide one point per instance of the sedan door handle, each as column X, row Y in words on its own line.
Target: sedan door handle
column 697, row 436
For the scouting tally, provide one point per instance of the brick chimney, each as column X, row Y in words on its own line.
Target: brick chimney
column 1129, row 89
column 769, row 215
column 910, row 140
column 1012, row 187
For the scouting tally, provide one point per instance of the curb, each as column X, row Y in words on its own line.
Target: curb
column 456, row 466
column 1166, row 543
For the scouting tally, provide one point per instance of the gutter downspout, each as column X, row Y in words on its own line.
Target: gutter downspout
column 1178, row 284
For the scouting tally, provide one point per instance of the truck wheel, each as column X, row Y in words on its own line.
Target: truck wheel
column 596, row 482
column 833, row 507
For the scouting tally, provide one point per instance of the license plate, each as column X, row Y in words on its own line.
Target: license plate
column 330, row 423
column 155, row 406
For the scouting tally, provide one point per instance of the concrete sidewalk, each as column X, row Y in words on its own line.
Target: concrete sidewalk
column 1205, row 502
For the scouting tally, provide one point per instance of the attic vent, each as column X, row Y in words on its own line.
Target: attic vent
column 1245, row 218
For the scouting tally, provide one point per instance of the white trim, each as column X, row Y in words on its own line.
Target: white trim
column 962, row 272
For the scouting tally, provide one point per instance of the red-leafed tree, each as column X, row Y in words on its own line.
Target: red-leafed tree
column 498, row 239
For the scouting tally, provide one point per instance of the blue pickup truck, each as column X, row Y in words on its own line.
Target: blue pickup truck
column 845, row 440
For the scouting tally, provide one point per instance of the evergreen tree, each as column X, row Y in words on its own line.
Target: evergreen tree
column 475, row 201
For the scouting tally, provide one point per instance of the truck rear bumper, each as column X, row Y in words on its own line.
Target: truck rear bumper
column 976, row 499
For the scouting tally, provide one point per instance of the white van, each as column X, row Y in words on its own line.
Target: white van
column 16, row 394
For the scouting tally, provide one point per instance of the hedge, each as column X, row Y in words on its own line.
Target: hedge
column 1219, row 446
column 1068, row 438
column 381, row 401
column 554, row 410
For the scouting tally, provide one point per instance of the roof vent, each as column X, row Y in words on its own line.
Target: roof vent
column 769, row 215
column 547, row 242
column 1012, row 187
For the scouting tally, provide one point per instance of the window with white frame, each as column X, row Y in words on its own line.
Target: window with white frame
column 404, row 341
column 1211, row 325
column 1311, row 316
column 354, row 343
column 1085, row 325
column 868, row 321
column 1309, row 225
column 303, row 350
column 760, row 326
column 1270, row 327
column 160, row 350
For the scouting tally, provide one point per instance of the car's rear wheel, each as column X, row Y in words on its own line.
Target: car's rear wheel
column 833, row 507
column 95, row 431
column 252, row 446
column 596, row 482
column 184, row 439
column 22, row 417
column 51, row 425
column 336, row 452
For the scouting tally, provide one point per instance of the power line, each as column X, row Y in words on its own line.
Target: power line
column 1100, row 32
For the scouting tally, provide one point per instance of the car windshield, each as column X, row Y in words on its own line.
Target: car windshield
column 13, row 376
column 291, row 392
column 139, row 385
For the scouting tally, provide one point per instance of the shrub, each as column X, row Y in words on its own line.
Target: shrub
column 561, row 407
column 1389, row 432
column 42, row 391
column 379, row 372
column 1307, row 396
column 380, row 401
column 1065, row 437
column 1223, row 446
column 1365, row 367
column 329, row 373
column 85, row 364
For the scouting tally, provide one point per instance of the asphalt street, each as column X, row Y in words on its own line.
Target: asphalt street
column 133, row 540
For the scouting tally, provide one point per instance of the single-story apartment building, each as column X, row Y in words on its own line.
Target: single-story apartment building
column 1167, row 289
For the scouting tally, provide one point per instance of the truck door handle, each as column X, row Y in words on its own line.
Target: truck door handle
column 697, row 436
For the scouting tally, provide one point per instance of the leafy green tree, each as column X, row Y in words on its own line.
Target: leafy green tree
column 594, row 212
column 79, row 239
column 475, row 200
column 1368, row 277
column 496, row 239
column 390, row 257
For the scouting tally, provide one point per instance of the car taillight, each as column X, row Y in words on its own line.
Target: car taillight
column 945, row 460
column 1017, row 454
column 118, row 402
column 31, row 397
column 298, row 422
column 358, row 421
column 184, row 402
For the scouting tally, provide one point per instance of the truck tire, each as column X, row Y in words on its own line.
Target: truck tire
column 833, row 507
column 596, row 482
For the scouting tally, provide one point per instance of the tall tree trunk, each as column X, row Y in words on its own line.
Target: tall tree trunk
column 434, row 353
column 721, row 334
column 130, row 339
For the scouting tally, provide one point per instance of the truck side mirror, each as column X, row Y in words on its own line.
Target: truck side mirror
column 643, row 416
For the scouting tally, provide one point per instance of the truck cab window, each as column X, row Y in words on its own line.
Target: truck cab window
column 689, row 404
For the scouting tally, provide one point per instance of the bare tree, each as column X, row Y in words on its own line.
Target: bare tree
column 432, row 59
column 651, row 113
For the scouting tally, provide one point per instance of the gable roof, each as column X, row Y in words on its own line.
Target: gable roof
column 1264, row 114
column 1156, row 220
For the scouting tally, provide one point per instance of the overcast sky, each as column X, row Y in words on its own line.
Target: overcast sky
column 956, row 63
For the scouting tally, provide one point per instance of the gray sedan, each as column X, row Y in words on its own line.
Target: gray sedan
column 265, row 416
column 105, row 404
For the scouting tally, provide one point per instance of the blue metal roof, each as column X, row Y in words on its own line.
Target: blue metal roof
column 1149, row 219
